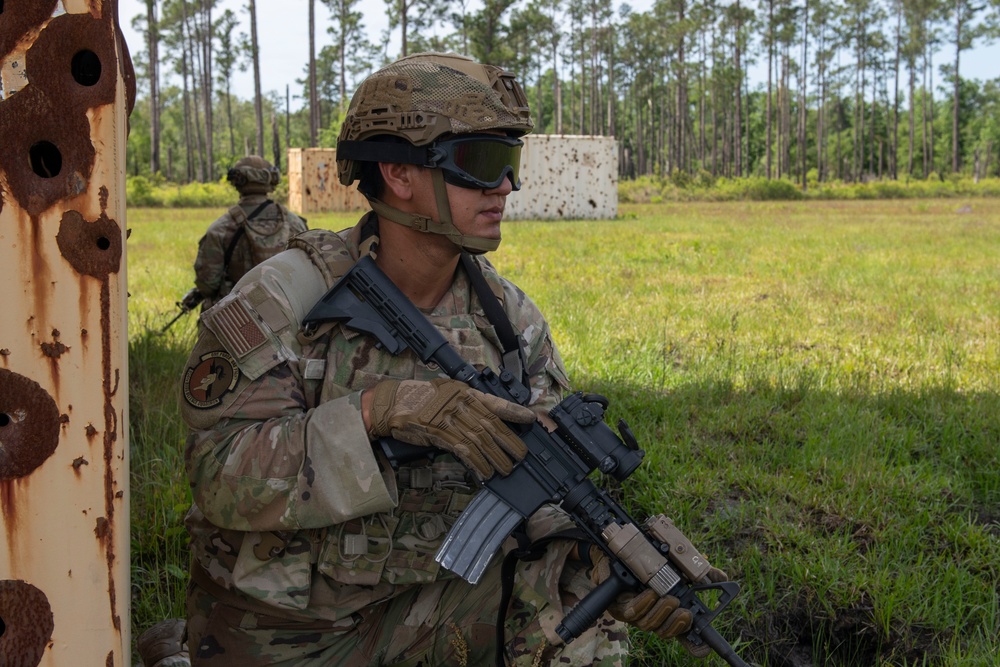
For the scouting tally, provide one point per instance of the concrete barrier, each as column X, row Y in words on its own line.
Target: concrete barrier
column 565, row 178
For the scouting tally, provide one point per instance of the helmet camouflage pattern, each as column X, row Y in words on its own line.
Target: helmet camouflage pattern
column 424, row 96
column 253, row 175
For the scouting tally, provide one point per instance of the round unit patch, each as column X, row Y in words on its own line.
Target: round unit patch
column 215, row 376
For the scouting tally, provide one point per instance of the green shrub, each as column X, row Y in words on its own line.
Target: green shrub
column 139, row 192
column 702, row 186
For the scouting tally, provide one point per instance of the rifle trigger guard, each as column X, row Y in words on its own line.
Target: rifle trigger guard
column 728, row 591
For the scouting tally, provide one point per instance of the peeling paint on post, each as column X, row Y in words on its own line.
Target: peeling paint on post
column 66, row 86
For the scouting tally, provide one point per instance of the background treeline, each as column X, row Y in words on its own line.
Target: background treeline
column 853, row 90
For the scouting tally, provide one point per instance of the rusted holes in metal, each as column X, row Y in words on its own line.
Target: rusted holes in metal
column 86, row 68
column 1, row 6
column 31, row 433
column 93, row 248
column 27, row 623
column 4, row 419
column 46, row 160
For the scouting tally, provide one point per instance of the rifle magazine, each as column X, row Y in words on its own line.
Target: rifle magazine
column 477, row 536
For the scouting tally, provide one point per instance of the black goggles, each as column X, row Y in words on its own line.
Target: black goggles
column 478, row 161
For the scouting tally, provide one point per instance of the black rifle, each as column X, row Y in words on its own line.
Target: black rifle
column 555, row 470
column 187, row 303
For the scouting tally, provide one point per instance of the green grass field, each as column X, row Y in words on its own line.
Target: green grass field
column 815, row 384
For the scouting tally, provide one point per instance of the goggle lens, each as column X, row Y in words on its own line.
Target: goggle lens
column 480, row 162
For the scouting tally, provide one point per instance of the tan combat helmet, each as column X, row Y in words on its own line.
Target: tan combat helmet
column 410, row 106
column 253, row 175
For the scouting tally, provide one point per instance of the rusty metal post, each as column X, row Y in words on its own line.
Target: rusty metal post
column 66, row 86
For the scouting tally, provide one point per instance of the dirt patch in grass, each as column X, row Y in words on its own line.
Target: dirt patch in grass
column 802, row 636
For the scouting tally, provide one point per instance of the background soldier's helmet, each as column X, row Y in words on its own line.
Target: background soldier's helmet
column 253, row 175
column 424, row 96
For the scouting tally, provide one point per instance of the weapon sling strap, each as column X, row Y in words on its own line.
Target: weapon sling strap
column 239, row 233
column 525, row 551
column 513, row 355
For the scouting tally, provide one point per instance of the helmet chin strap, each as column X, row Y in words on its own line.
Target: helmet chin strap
column 445, row 226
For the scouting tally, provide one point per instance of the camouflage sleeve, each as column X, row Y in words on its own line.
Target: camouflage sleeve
column 257, row 458
column 210, row 264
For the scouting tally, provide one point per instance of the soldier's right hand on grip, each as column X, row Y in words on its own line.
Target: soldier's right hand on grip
column 452, row 416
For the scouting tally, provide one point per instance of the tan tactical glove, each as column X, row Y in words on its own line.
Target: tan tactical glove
column 452, row 416
column 648, row 611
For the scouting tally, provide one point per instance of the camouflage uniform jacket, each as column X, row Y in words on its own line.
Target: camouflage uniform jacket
column 292, row 507
column 264, row 236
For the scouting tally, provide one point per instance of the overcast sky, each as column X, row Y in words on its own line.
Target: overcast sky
column 283, row 33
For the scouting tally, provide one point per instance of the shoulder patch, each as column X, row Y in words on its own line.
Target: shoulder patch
column 236, row 328
column 215, row 375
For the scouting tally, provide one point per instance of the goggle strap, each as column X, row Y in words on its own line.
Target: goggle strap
column 380, row 151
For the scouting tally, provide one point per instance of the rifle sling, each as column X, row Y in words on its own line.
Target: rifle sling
column 513, row 356
column 525, row 551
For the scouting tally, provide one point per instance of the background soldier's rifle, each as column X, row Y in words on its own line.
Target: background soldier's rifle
column 188, row 302
column 555, row 470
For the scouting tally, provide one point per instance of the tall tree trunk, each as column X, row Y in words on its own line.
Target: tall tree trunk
column 821, row 153
column 955, row 154
column 894, row 154
column 746, row 83
column 840, row 134
column 928, row 164
column 770, row 66
column 190, row 51
column 873, row 167
column 611, row 95
column 258, row 102
column 313, row 95
column 859, row 112
column 153, row 47
column 702, row 67
column 682, row 96
column 229, row 119
column 208, row 38
column 930, row 132
column 188, row 157
column 275, row 141
column 804, row 69
column 913, row 116
column 737, row 124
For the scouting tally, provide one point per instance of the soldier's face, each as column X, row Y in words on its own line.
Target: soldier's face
column 478, row 212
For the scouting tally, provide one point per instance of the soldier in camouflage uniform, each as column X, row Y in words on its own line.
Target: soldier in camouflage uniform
column 253, row 230
column 308, row 548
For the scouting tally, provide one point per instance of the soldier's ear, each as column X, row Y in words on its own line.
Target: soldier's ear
column 399, row 179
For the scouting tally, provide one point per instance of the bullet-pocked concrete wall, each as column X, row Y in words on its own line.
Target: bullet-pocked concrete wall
column 66, row 85
column 566, row 177
column 562, row 178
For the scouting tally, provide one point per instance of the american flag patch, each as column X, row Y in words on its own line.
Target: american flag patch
column 237, row 329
